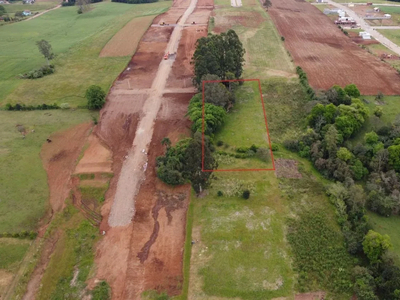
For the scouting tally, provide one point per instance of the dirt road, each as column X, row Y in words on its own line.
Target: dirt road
column 366, row 27
column 135, row 165
column 42, row 13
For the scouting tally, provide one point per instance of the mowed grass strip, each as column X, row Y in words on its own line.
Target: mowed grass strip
column 23, row 181
column 77, row 41
column 12, row 251
column 243, row 250
column 125, row 41
column 36, row 7
column 265, row 53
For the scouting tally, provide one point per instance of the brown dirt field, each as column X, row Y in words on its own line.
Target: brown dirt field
column 182, row 71
column 5, row 280
column 200, row 16
column 144, row 64
column 96, row 159
column 359, row 40
column 249, row 19
column 59, row 158
column 326, row 55
column 147, row 254
column 125, row 41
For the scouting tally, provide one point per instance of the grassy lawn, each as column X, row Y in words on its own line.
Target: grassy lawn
column 393, row 35
column 12, row 251
column 389, row 226
column 77, row 41
column 23, row 181
column 265, row 54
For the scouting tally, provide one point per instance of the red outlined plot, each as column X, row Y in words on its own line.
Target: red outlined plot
column 266, row 125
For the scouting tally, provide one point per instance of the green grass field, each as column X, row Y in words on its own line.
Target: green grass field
column 265, row 53
column 393, row 35
column 11, row 252
column 77, row 41
column 23, row 181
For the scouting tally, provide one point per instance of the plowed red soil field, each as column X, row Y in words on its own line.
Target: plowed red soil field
column 326, row 54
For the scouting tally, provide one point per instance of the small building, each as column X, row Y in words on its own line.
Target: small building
column 387, row 16
column 27, row 13
column 376, row 9
column 320, row 1
column 365, row 35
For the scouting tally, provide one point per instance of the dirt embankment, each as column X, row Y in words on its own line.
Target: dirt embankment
column 326, row 54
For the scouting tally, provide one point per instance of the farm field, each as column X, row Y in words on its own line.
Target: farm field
column 394, row 11
column 318, row 42
column 77, row 41
column 36, row 7
column 265, row 54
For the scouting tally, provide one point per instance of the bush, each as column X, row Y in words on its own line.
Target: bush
column 220, row 193
column 292, row 145
column 18, row 107
column 242, row 150
column 246, row 194
column 274, row 147
column 102, row 291
column 220, row 143
column 378, row 111
column 282, row 38
column 39, row 73
column 96, row 97
column 263, row 154
column 253, row 148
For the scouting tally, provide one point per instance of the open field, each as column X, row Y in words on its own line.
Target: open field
column 274, row 227
column 23, row 181
column 265, row 55
column 77, row 41
column 316, row 43
column 364, row 10
column 389, row 226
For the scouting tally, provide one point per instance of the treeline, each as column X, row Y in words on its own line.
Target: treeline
column 183, row 162
column 366, row 175
column 134, row 1
column 73, row 2
column 23, row 107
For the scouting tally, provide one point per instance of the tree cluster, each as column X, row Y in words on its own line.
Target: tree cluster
column 220, row 55
column 96, row 97
column 134, row 1
column 335, row 118
column 183, row 162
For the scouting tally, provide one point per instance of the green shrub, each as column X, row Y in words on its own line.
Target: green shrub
column 102, row 291
column 253, row 148
column 220, row 193
column 96, row 97
column 246, row 194
column 220, row 143
column 242, row 149
column 39, row 73
column 274, row 147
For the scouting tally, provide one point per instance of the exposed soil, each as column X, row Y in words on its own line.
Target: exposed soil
column 286, row 168
column 359, row 40
column 96, row 158
column 59, row 158
column 326, row 54
column 147, row 253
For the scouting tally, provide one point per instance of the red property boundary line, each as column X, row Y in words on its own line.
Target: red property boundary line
column 266, row 126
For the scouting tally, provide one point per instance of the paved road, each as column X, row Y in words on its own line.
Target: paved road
column 385, row 27
column 366, row 27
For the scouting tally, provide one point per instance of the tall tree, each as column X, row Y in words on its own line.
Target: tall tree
column 46, row 50
column 375, row 245
column 218, row 55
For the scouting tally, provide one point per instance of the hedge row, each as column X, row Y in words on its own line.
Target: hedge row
column 304, row 82
column 23, row 234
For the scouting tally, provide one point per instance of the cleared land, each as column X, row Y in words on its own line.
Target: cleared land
column 77, row 41
column 326, row 55
column 265, row 54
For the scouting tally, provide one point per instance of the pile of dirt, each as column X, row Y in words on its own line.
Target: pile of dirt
column 326, row 54
column 286, row 168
